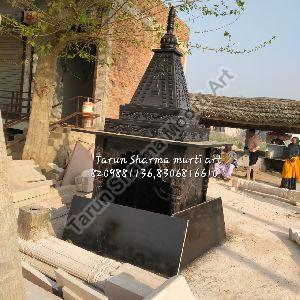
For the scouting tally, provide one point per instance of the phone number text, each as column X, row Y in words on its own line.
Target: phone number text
column 153, row 173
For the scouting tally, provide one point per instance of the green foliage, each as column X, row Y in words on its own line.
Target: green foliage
column 214, row 8
column 61, row 25
column 67, row 28
column 211, row 8
column 228, row 48
column 240, row 3
column 45, row 49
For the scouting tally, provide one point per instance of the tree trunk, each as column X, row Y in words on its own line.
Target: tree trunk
column 11, row 280
column 38, row 131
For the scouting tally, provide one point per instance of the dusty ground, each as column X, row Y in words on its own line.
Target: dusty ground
column 257, row 261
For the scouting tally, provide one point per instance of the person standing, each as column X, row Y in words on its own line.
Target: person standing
column 253, row 147
column 291, row 169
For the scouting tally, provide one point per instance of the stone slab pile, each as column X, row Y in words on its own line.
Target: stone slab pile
column 292, row 197
column 38, row 278
column 26, row 180
column 75, row 273
column 29, row 186
column 73, row 288
column 87, row 276
column 85, row 265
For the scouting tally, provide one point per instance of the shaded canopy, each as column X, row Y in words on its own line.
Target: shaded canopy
column 268, row 114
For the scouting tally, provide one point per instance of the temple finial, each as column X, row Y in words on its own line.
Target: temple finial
column 169, row 40
column 171, row 20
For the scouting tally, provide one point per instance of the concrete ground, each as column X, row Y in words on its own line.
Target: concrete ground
column 257, row 261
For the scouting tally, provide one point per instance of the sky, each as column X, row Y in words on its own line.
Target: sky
column 273, row 71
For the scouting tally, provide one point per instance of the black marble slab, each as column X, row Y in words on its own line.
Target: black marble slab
column 149, row 240
column 206, row 229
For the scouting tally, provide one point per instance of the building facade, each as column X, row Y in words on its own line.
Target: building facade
column 15, row 61
column 112, row 83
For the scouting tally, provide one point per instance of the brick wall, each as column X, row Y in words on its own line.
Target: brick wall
column 130, row 62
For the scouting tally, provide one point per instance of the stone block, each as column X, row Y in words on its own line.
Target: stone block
column 31, row 190
column 38, row 278
column 176, row 288
column 69, row 295
column 78, row 288
column 34, row 292
column 29, row 162
column 24, row 172
column 294, row 235
column 87, row 184
column 125, row 287
column 80, row 161
column 145, row 277
column 33, row 222
column 84, row 182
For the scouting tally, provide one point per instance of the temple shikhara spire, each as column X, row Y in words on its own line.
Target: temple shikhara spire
column 161, row 95
column 163, row 83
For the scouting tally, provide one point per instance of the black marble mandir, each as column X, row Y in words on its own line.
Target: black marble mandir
column 160, row 223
